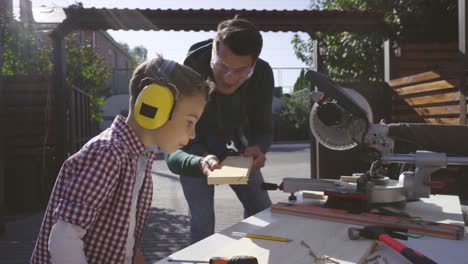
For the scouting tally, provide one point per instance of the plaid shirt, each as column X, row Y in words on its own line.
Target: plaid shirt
column 94, row 191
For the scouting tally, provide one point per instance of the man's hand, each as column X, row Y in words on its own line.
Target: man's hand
column 138, row 257
column 258, row 156
column 208, row 164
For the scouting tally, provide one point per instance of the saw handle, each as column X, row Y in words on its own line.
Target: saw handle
column 267, row 186
column 234, row 260
column 412, row 255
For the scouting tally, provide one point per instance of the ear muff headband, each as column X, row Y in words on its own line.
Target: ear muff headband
column 155, row 103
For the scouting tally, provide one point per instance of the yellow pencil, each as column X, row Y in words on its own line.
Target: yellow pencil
column 273, row 238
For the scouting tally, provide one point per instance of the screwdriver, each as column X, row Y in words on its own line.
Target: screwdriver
column 222, row 260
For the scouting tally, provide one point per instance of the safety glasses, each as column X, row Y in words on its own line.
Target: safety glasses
column 217, row 64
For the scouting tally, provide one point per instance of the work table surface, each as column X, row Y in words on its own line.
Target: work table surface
column 438, row 208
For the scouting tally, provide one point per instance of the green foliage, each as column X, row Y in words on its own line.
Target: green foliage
column 87, row 70
column 359, row 57
column 301, row 83
column 294, row 117
column 22, row 54
column 139, row 53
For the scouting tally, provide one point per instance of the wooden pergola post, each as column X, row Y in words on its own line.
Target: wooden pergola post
column 462, row 47
column 61, row 96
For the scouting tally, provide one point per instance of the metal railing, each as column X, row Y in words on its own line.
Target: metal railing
column 80, row 119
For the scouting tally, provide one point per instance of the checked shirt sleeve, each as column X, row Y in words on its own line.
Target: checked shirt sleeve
column 92, row 177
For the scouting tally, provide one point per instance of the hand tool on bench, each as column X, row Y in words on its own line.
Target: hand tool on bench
column 387, row 235
column 222, row 260
column 416, row 226
column 265, row 237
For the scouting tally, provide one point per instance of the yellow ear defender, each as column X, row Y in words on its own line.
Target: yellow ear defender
column 155, row 103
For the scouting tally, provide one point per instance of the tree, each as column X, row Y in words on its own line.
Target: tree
column 88, row 71
column 293, row 123
column 359, row 57
column 139, row 53
column 301, row 83
column 22, row 54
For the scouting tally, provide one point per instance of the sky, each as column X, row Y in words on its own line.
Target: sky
column 277, row 47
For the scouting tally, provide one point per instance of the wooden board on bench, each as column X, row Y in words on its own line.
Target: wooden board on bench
column 234, row 170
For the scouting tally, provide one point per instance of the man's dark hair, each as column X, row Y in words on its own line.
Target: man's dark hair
column 240, row 36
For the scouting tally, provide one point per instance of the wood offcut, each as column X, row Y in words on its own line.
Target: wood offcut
column 234, row 170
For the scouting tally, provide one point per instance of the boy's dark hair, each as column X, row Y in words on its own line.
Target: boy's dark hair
column 187, row 81
column 240, row 36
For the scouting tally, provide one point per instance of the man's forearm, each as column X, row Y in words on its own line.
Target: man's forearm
column 183, row 163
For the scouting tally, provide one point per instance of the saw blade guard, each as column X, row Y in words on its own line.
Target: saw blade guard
column 340, row 117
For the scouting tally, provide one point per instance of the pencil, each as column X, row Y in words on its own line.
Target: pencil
column 273, row 238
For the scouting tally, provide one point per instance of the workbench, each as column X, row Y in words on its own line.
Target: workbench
column 438, row 208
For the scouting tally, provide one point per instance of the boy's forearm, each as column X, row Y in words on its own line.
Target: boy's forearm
column 66, row 244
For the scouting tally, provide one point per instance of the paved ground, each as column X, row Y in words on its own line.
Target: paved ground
column 167, row 228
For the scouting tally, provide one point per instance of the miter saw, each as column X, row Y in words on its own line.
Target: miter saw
column 341, row 119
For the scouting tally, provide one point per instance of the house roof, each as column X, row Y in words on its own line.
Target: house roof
column 207, row 19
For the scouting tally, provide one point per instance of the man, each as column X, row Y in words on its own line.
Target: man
column 240, row 105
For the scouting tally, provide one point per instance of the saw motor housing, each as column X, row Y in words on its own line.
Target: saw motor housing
column 341, row 119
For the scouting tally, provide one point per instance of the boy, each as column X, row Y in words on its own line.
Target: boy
column 103, row 193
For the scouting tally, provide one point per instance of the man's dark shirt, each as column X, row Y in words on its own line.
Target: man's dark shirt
column 247, row 110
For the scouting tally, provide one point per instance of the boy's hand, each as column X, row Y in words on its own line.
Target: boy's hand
column 138, row 257
column 257, row 154
column 208, row 164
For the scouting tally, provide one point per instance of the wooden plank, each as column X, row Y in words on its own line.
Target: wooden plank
column 439, row 63
column 41, row 88
column 444, row 73
column 30, row 131
column 431, row 55
column 422, row 118
column 445, row 97
column 402, row 105
column 429, row 46
column 419, row 119
column 334, row 242
column 447, row 121
column 425, row 87
column 26, row 141
column 430, row 111
column 234, row 170
column 415, row 119
column 423, row 66
column 425, row 76
column 27, row 99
